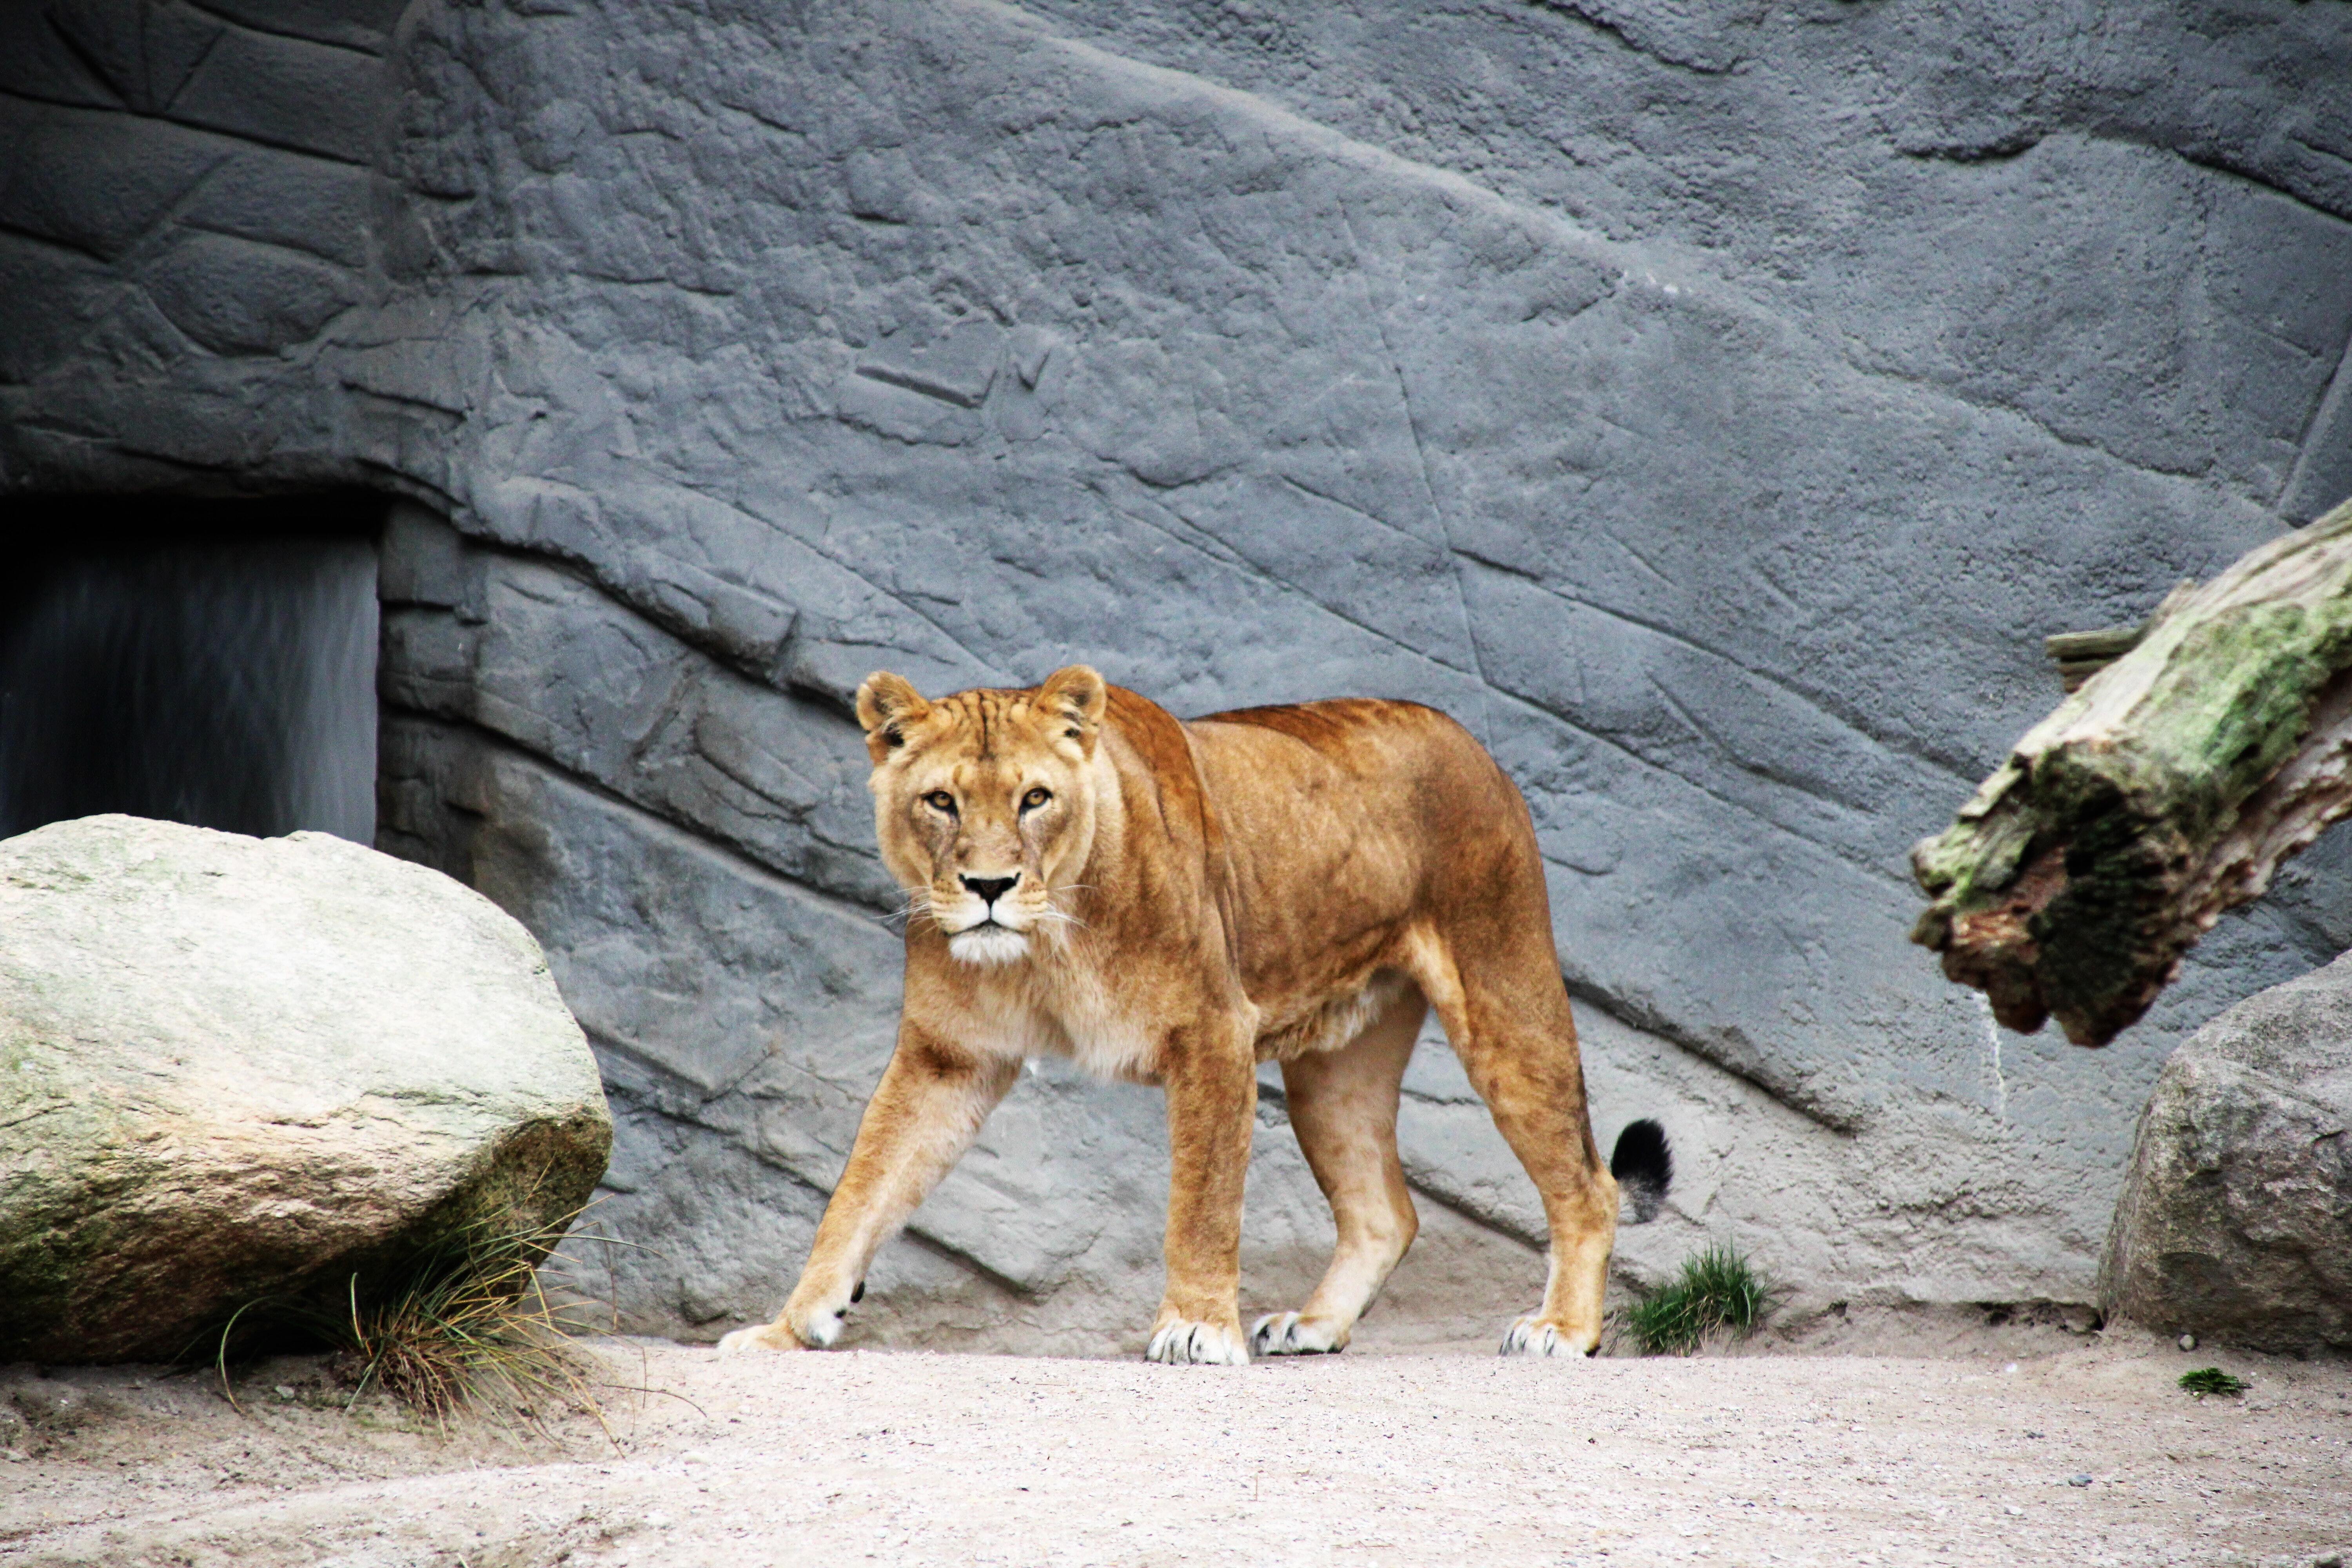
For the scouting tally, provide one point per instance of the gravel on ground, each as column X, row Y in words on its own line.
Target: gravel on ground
column 2085, row 1453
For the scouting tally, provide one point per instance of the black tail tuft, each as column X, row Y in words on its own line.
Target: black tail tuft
column 1645, row 1168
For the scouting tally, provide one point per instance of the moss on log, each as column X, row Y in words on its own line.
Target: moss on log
column 2165, row 790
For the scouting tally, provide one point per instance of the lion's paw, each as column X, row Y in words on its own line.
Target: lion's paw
column 1185, row 1343
column 1532, row 1335
column 1288, row 1333
column 766, row 1337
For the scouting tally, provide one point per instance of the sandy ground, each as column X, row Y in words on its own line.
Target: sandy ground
column 2054, row 1448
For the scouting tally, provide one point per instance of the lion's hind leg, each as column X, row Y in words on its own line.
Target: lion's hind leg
column 1506, row 1010
column 1343, row 1106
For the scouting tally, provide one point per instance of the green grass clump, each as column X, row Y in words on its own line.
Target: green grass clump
column 1716, row 1291
column 470, row 1326
column 2212, row 1380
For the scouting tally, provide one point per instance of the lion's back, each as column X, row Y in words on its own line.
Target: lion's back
column 1382, row 752
column 1357, row 802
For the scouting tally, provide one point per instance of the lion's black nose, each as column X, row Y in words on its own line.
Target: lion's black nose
column 990, row 889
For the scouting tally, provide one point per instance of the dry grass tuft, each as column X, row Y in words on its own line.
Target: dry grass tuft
column 471, row 1328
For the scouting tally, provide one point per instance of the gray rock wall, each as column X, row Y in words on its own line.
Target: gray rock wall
column 1711, row 405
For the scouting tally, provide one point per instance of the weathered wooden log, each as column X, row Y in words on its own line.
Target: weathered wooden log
column 2082, row 654
column 2164, row 790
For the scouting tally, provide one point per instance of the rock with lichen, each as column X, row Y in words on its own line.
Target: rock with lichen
column 234, row 1069
column 2236, row 1217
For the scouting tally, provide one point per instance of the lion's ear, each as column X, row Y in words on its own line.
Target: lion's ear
column 887, row 704
column 1075, row 697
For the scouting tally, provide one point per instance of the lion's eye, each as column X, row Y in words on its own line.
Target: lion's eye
column 940, row 800
column 1035, row 798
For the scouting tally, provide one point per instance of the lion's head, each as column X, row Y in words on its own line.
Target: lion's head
column 984, row 804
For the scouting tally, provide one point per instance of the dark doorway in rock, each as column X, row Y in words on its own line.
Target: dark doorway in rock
column 203, row 661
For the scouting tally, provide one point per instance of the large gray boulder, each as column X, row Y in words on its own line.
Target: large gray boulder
column 232, row 1067
column 2236, row 1217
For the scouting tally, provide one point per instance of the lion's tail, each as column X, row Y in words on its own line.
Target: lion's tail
column 1643, row 1165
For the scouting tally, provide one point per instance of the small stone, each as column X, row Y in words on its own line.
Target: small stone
column 2188, row 1341
column 283, row 1391
column 2078, row 1480
column 2328, row 1560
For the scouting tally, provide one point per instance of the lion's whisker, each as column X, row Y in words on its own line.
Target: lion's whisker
column 914, row 903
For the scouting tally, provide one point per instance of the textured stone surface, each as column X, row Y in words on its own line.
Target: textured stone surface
column 1712, row 405
column 2236, row 1217
column 232, row 1067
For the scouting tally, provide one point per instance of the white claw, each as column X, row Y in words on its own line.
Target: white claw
column 1196, row 1344
column 1288, row 1333
column 821, row 1331
column 1533, row 1337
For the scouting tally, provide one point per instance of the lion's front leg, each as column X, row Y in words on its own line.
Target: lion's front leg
column 924, row 1114
column 1211, row 1077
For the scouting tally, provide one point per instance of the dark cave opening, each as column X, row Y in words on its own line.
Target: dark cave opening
column 207, row 661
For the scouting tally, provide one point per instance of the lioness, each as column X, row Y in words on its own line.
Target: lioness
column 1174, row 903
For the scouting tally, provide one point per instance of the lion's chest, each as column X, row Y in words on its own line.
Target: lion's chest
column 1079, row 1016
column 1088, row 1019
column 1327, row 1020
